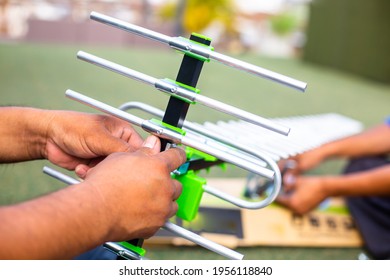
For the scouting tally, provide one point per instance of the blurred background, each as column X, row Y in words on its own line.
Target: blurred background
column 272, row 27
column 340, row 48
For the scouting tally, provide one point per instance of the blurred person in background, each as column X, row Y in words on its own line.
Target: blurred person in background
column 365, row 184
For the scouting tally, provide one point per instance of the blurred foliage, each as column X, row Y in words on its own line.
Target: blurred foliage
column 283, row 24
column 168, row 11
column 199, row 14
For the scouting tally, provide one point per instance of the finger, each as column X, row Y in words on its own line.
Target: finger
column 289, row 182
column 132, row 137
column 281, row 164
column 111, row 144
column 81, row 170
column 173, row 157
column 123, row 130
column 290, row 164
column 283, row 200
column 174, row 209
column 177, row 189
column 152, row 142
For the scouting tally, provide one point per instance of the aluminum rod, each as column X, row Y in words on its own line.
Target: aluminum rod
column 277, row 182
column 241, row 114
column 123, row 252
column 258, row 71
column 208, row 244
column 231, row 158
column 190, row 127
column 104, row 107
column 135, row 29
column 60, row 176
column 205, row 135
column 188, row 46
column 174, row 136
column 117, row 68
column 143, row 107
column 175, row 90
column 179, row 231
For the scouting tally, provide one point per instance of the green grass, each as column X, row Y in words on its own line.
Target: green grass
column 38, row 75
column 254, row 253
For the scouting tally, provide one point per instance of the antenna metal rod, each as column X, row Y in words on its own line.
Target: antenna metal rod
column 185, row 45
column 208, row 244
column 117, row 68
column 181, row 92
column 259, row 71
column 174, row 136
column 135, row 29
column 104, row 107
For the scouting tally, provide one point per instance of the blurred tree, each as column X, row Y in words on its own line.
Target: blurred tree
column 196, row 15
column 283, row 23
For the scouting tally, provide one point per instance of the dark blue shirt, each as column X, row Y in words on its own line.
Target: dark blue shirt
column 388, row 120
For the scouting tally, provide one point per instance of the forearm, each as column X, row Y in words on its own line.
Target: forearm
column 374, row 182
column 22, row 133
column 375, row 141
column 57, row 226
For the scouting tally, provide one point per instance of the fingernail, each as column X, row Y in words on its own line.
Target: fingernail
column 81, row 171
column 289, row 179
column 150, row 142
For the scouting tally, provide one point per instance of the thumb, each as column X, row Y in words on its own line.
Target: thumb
column 111, row 145
column 153, row 143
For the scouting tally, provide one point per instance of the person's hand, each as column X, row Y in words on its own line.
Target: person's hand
column 302, row 193
column 303, row 162
column 136, row 190
column 82, row 140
